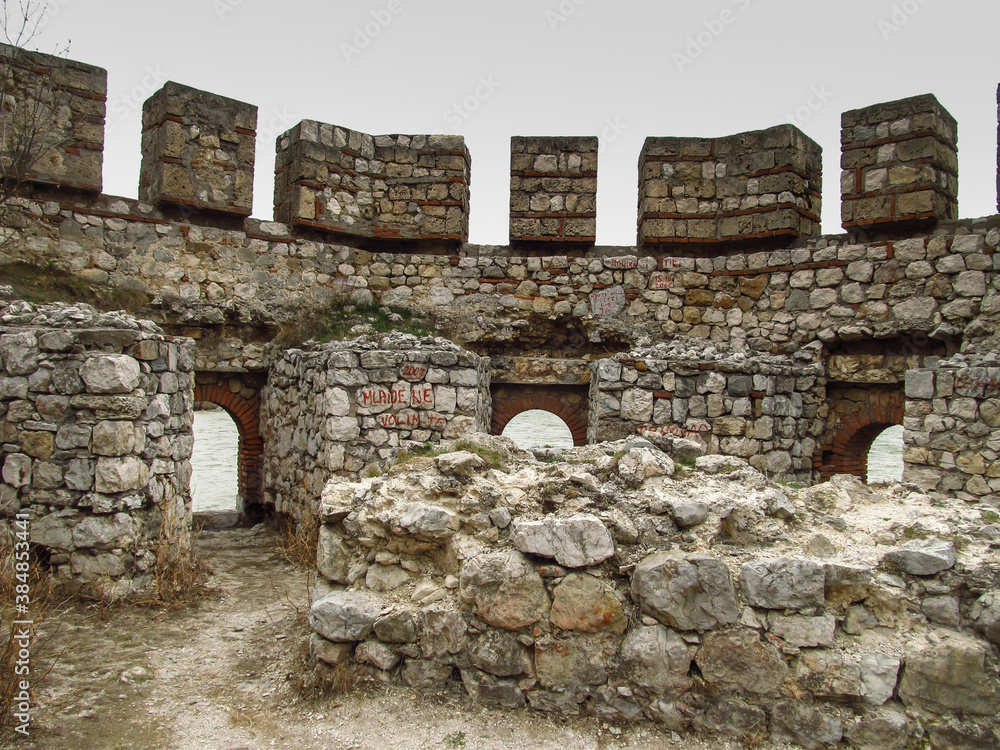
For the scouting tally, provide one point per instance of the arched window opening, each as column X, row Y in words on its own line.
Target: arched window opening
column 538, row 428
column 885, row 457
column 215, row 462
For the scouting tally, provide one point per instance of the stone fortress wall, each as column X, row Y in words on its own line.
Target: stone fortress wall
column 728, row 248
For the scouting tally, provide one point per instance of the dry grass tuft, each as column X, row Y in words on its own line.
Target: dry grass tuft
column 299, row 538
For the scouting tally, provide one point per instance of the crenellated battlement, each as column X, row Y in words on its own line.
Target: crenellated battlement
column 696, row 196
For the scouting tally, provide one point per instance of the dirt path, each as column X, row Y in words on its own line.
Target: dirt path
column 223, row 674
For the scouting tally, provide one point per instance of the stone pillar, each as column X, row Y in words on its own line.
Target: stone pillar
column 553, row 189
column 413, row 187
column 60, row 105
column 900, row 163
column 754, row 186
column 198, row 150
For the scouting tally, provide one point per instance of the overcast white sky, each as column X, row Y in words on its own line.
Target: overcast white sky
column 619, row 69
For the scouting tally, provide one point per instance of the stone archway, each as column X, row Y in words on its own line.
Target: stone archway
column 568, row 402
column 846, row 449
column 246, row 414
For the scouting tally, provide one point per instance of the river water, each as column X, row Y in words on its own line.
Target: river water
column 214, row 483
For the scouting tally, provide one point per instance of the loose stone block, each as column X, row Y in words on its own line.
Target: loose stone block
column 506, row 589
column 198, row 150
column 900, row 163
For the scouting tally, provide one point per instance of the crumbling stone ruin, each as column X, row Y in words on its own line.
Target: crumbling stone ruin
column 613, row 580
column 662, row 573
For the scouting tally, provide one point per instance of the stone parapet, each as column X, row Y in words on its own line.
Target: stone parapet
column 198, row 150
column 900, row 163
column 755, row 186
column 53, row 119
column 553, row 189
column 413, row 187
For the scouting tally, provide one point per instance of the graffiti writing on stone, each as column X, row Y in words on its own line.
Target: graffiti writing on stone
column 607, row 301
column 413, row 373
column 626, row 262
column 975, row 384
column 661, row 280
column 671, row 263
column 411, row 420
column 380, row 398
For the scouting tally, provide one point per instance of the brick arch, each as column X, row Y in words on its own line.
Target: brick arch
column 853, row 438
column 250, row 456
column 569, row 403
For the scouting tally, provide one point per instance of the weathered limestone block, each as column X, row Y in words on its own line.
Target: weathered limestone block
column 344, row 615
column 640, row 464
column 985, row 615
column 587, row 604
column 740, row 660
column 658, row 659
column 923, row 557
column 797, row 723
column 829, row 675
column 693, row 593
column 377, row 654
column 427, row 522
column 490, row 690
column 734, row 718
column 885, row 731
column 802, row 631
column 950, row 676
column 570, row 663
column 444, row 633
column 879, row 675
column 110, row 373
column 397, row 627
column 505, row 589
column 120, row 474
column 575, row 541
column 500, row 653
column 198, row 150
column 19, row 353
column 783, row 583
column 102, row 532
column 333, row 558
column 329, row 652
